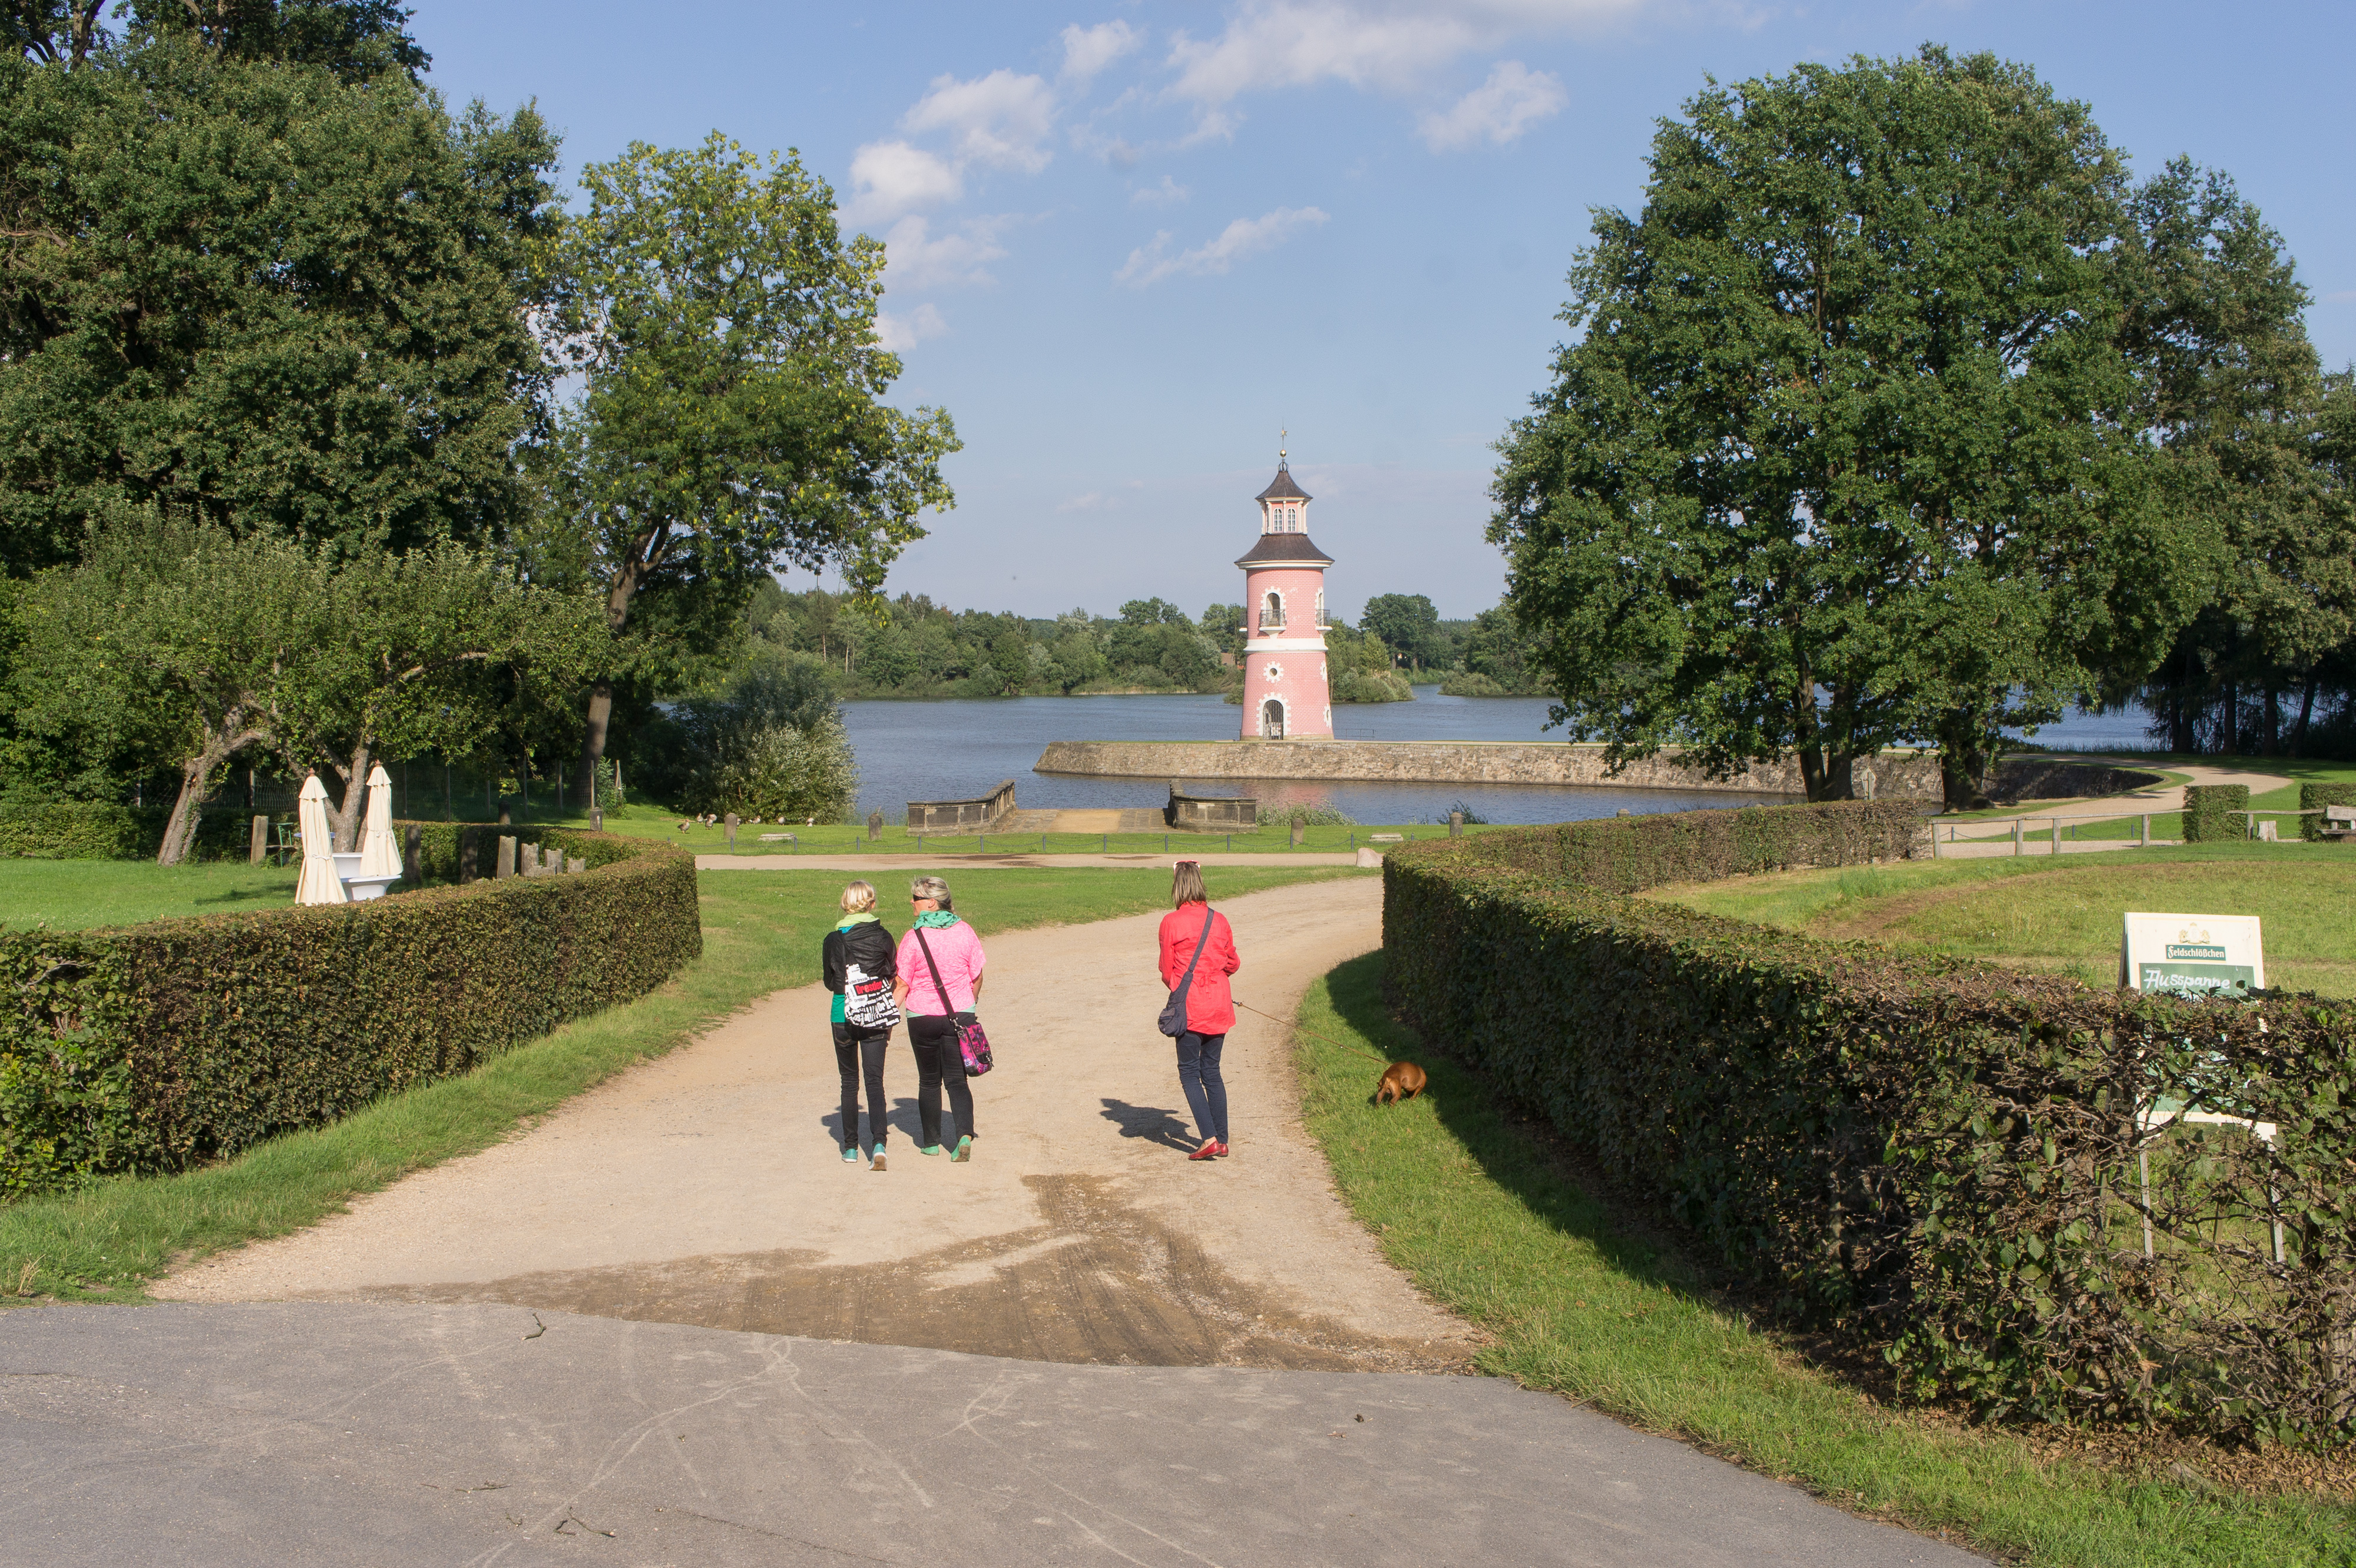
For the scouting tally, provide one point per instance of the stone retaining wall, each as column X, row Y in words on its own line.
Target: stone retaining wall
column 1914, row 776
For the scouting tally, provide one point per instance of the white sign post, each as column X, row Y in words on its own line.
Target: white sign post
column 2192, row 955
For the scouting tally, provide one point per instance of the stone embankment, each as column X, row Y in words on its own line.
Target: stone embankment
column 1907, row 774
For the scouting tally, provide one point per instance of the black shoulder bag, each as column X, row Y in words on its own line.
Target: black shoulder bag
column 1173, row 1021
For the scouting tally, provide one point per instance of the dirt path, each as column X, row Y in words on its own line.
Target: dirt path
column 706, row 1188
column 1980, row 836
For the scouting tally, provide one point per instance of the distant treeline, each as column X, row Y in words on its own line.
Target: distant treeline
column 914, row 647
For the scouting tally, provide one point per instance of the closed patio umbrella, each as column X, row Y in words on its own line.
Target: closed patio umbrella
column 379, row 850
column 320, row 885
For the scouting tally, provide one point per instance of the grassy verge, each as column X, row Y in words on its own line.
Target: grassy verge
column 68, row 894
column 2063, row 913
column 1485, row 1219
column 762, row 930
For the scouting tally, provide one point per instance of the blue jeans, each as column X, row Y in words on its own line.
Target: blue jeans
column 1206, row 1091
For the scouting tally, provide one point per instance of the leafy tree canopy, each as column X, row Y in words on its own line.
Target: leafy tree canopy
column 1409, row 625
column 733, row 418
column 1837, row 459
column 251, row 291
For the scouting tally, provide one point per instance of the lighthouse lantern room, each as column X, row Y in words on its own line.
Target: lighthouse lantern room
column 1285, row 694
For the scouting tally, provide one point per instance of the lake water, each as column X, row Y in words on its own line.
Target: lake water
column 955, row 750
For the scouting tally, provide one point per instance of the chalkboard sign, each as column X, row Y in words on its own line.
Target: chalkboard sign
column 2192, row 955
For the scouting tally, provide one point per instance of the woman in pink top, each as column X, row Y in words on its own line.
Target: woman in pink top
column 1210, row 1007
column 938, row 944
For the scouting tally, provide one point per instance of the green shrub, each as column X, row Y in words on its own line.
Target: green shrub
column 1471, row 683
column 1320, row 815
column 155, row 1047
column 1354, row 685
column 2314, row 798
column 2209, row 812
column 1935, row 1160
column 101, row 829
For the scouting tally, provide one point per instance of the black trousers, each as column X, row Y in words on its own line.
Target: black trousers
column 934, row 1043
column 855, row 1053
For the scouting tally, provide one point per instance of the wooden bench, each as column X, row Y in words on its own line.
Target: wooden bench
column 2338, row 823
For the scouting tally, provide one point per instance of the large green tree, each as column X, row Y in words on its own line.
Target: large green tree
column 732, row 419
column 1408, row 626
column 1836, row 461
column 2251, row 433
column 251, row 288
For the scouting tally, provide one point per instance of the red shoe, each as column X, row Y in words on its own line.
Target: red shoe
column 1210, row 1150
column 1222, row 1151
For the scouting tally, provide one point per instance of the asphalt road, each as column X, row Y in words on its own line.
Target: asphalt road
column 327, row 1434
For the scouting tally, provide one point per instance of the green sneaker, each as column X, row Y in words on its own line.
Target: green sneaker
column 930, row 1149
column 849, row 1153
column 963, row 1153
column 877, row 1162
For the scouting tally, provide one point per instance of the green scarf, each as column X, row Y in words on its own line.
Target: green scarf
column 934, row 920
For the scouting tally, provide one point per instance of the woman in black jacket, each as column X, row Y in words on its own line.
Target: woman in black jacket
column 858, row 956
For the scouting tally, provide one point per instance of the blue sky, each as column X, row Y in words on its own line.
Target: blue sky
column 1131, row 241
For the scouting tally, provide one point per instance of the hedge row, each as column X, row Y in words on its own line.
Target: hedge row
column 2314, row 798
column 2209, row 812
column 100, row 830
column 1935, row 1159
column 154, row 1046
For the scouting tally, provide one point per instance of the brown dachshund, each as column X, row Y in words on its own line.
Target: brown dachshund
column 1401, row 1080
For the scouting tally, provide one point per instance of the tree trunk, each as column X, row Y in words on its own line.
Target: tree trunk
column 180, row 828
column 346, row 819
column 2306, row 708
column 2230, row 737
column 601, row 694
column 593, row 739
column 2273, row 722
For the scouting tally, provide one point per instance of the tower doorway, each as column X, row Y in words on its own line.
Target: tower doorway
column 1271, row 719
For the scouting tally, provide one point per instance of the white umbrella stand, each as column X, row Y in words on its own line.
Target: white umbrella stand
column 320, row 885
column 379, row 850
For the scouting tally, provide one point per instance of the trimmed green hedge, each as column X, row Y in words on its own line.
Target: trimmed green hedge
column 2314, row 798
column 1932, row 1159
column 155, row 1047
column 2209, row 812
column 99, row 830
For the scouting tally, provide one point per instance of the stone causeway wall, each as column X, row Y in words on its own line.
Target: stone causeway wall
column 1914, row 776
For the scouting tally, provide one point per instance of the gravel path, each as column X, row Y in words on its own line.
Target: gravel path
column 707, row 1188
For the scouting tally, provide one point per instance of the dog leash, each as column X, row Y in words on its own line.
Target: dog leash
column 1311, row 1033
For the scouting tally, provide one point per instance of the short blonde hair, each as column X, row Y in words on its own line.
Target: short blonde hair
column 931, row 887
column 858, row 898
column 1186, row 884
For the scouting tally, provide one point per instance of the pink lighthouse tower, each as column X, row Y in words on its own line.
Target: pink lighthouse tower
column 1285, row 695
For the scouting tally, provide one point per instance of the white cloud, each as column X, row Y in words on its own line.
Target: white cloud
column 1088, row 50
column 889, row 177
column 901, row 333
column 1514, row 99
column 1246, row 236
column 920, row 259
column 999, row 120
column 1089, row 502
column 1168, row 193
column 1389, row 44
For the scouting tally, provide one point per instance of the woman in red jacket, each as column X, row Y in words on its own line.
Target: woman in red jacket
column 1210, row 1009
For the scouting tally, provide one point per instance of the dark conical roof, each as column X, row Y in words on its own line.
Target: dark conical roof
column 1281, row 488
column 1284, row 550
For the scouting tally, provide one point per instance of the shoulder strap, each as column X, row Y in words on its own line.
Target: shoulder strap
column 947, row 1006
column 1200, row 939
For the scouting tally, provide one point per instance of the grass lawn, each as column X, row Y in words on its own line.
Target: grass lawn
column 646, row 821
column 1484, row 1218
column 761, row 933
column 2063, row 913
column 68, row 894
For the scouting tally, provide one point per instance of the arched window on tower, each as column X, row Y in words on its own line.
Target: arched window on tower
column 1321, row 609
column 1271, row 615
